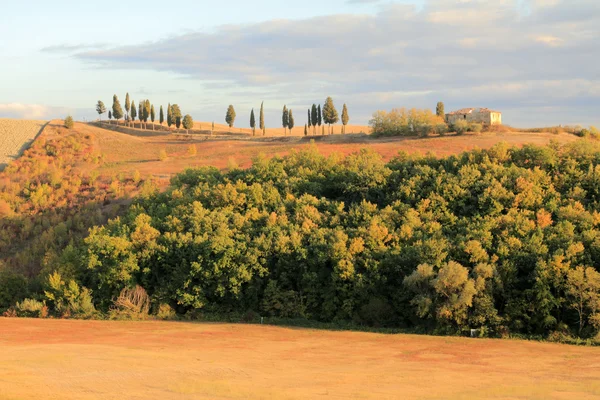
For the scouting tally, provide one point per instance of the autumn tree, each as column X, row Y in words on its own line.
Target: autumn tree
column 330, row 114
column 290, row 121
column 188, row 123
column 345, row 117
column 230, row 116
column 583, row 291
column 117, row 111
column 285, row 119
column 100, row 108
column 252, row 122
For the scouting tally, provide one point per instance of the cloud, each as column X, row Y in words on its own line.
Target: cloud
column 33, row 111
column 467, row 53
column 72, row 48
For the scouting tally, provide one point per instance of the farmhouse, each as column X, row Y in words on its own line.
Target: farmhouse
column 481, row 115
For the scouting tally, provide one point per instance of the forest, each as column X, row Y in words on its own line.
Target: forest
column 504, row 240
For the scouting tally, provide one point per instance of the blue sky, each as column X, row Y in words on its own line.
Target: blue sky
column 535, row 60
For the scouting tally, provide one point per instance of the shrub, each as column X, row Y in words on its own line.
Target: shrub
column 69, row 122
column 132, row 303
column 460, row 127
column 162, row 155
column 166, row 312
column 67, row 298
column 403, row 122
column 31, row 308
column 475, row 127
column 440, row 129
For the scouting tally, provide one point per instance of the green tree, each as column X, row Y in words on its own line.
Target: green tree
column 439, row 110
column 169, row 115
column 262, row 118
column 152, row 115
column 285, row 117
column 127, row 106
column 147, row 109
column 319, row 116
column 69, row 122
column 100, row 108
column 305, row 130
column 291, row 121
column 141, row 112
column 161, row 116
column 309, row 124
column 330, row 114
column 230, row 116
column 345, row 117
column 583, row 291
column 117, row 111
column 175, row 113
column 109, row 115
column 188, row 123
column 252, row 122
column 178, row 121
column 133, row 113
column 314, row 118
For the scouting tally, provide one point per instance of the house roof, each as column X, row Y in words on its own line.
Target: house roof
column 470, row 110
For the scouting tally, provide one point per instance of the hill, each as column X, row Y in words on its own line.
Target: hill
column 88, row 360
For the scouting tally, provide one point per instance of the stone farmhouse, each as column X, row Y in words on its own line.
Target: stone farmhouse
column 483, row 116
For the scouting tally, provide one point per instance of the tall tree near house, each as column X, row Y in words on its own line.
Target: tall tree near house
column 439, row 110
column 290, row 121
column 169, row 115
column 100, row 108
column 230, row 116
column 133, row 113
column 127, row 107
column 345, row 118
column 117, row 111
column 152, row 115
column 252, row 122
column 309, row 124
column 314, row 118
column 319, row 116
column 330, row 114
column 188, row 123
column 161, row 116
column 285, row 120
column 262, row 118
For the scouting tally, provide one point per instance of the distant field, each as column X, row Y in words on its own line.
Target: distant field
column 15, row 136
column 85, row 360
column 139, row 151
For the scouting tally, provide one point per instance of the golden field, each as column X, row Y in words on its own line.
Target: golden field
column 15, row 136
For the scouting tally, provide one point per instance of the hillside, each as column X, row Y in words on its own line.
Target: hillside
column 15, row 137
column 92, row 360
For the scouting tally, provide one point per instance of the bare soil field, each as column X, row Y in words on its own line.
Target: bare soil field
column 68, row 359
column 15, row 136
column 133, row 151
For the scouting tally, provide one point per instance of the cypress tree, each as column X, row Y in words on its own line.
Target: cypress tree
column 212, row 128
column 141, row 112
column 309, row 121
column 252, row 122
column 439, row 110
column 345, row 118
column 314, row 118
column 147, row 109
column 169, row 116
column 178, row 121
column 290, row 121
column 330, row 114
column 262, row 118
column 152, row 115
column 117, row 111
column 109, row 115
column 100, row 108
column 161, row 116
column 319, row 116
column 285, row 120
column 127, row 106
column 133, row 113
column 305, row 130
column 230, row 116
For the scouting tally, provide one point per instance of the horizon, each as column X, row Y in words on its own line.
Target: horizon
column 533, row 60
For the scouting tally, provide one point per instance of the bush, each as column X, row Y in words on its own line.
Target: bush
column 69, row 122
column 441, row 129
column 475, row 127
column 166, row 312
column 403, row 122
column 67, row 298
column 31, row 308
column 132, row 303
column 162, row 155
column 460, row 127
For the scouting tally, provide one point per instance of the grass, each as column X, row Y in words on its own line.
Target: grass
column 70, row 359
column 15, row 137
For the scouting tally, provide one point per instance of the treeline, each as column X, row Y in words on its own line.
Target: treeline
column 505, row 240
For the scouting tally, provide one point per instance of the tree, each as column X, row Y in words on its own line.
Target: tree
column 439, row 110
column 319, row 116
column 314, row 118
column 330, row 114
column 262, row 118
column 583, row 291
column 309, row 124
column 147, row 110
column 100, row 108
column 69, row 122
column 169, row 115
column 141, row 112
column 230, row 116
column 133, row 113
column 178, row 121
column 152, row 115
column 117, row 111
column 161, row 116
column 212, row 128
column 285, row 119
column 290, row 121
column 345, row 118
column 252, row 122
column 176, row 113
column 127, row 106
column 305, row 130
column 109, row 115
column 188, row 123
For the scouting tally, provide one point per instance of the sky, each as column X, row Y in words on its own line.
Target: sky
column 537, row 61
